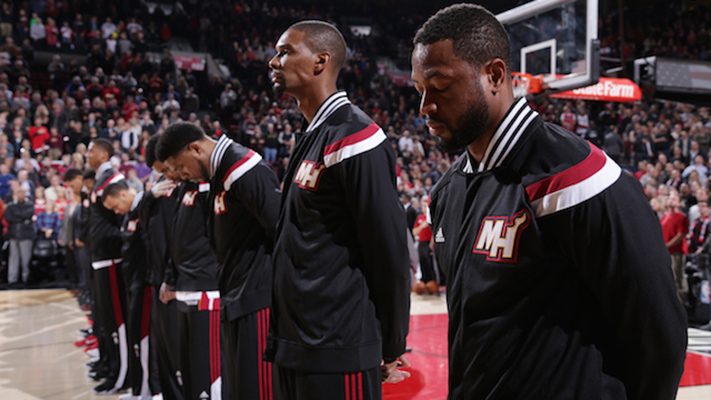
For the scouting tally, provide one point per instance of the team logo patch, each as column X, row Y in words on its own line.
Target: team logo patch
column 132, row 225
column 308, row 175
column 499, row 236
column 220, row 206
column 189, row 198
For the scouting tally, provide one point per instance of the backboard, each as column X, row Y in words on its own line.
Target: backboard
column 556, row 39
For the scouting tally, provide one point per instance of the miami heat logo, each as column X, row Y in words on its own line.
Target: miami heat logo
column 189, row 198
column 308, row 175
column 498, row 237
column 220, row 206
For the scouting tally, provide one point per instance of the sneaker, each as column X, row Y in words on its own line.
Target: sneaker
column 106, row 388
column 128, row 396
column 92, row 346
column 158, row 396
column 93, row 353
column 87, row 341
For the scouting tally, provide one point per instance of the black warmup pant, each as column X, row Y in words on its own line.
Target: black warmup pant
column 110, row 297
column 298, row 385
column 247, row 376
column 164, row 347
column 139, row 327
column 200, row 357
column 428, row 273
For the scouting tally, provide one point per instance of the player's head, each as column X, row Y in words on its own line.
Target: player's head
column 307, row 52
column 74, row 180
column 179, row 147
column 153, row 162
column 461, row 66
column 98, row 152
column 118, row 198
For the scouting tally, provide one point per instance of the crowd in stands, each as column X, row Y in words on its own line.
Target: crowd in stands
column 119, row 93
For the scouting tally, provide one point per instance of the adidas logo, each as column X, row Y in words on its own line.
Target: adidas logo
column 439, row 237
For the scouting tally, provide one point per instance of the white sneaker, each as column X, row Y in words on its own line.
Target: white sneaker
column 128, row 396
column 93, row 353
column 159, row 396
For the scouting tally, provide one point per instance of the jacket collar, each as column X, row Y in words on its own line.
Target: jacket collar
column 505, row 138
column 334, row 102
column 218, row 152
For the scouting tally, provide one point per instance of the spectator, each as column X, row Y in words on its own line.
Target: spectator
column 39, row 135
column 675, row 226
column 48, row 222
column 38, row 34
column 20, row 232
column 52, row 33
column 5, row 177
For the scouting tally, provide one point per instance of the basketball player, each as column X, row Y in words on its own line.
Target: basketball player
column 560, row 284
column 104, row 240
column 341, row 272
column 127, row 203
column 242, row 212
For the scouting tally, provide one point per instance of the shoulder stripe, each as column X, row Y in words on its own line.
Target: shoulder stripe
column 117, row 177
column 574, row 185
column 353, row 145
column 241, row 167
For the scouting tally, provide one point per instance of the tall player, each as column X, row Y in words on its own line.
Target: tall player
column 342, row 280
column 244, row 207
column 104, row 240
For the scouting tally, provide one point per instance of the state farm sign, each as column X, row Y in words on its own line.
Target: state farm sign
column 607, row 89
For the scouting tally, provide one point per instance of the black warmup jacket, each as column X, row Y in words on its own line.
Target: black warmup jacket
column 158, row 221
column 194, row 264
column 104, row 226
column 560, row 285
column 134, row 252
column 245, row 200
column 341, row 296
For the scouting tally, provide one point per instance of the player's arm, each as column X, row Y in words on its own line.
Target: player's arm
column 614, row 241
column 258, row 190
column 381, row 229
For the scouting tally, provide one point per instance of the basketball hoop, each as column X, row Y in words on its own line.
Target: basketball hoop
column 524, row 84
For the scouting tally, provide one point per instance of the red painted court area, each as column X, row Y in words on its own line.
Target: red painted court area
column 428, row 339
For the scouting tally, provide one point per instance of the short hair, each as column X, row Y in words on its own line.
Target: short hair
column 476, row 35
column 176, row 137
column 322, row 36
column 113, row 190
column 71, row 174
column 89, row 174
column 151, row 150
column 104, row 145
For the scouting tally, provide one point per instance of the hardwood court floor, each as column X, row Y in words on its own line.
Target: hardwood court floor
column 39, row 361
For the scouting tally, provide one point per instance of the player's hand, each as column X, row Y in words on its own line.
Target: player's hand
column 163, row 188
column 78, row 242
column 166, row 295
column 389, row 372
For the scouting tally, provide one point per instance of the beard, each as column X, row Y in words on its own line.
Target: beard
column 278, row 88
column 470, row 126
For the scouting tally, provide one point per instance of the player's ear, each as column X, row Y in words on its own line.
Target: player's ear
column 496, row 72
column 194, row 147
column 323, row 60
